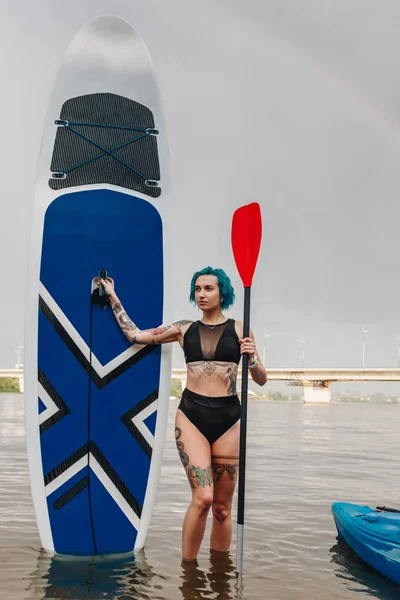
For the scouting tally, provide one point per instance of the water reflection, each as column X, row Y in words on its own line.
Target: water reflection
column 218, row 582
column 92, row 577
column 351, row 569
column 127, row 577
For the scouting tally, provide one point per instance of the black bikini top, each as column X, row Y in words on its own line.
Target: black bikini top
column 217, row 342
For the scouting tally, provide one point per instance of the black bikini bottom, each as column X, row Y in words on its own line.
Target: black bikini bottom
column 212, row 416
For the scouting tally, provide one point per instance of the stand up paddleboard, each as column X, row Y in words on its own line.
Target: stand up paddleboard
column 96, row 407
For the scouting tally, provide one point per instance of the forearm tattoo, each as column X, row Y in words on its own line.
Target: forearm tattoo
column 199, row 477
column 181, row 448
column 117, row 308
column 127, row 326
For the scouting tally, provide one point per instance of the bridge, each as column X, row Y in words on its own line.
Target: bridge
column 315, row 382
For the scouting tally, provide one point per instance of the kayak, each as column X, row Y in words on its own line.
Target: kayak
column 374, row 534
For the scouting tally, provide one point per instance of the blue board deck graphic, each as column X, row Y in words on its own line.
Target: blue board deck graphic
column 96, row 406
column 84, row 232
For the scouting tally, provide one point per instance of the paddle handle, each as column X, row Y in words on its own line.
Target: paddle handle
column 103, row 275
column 243, row 435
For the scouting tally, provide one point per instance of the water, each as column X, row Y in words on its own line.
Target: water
column 300, row 459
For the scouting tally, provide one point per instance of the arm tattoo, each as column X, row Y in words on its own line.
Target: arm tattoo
column 156, row 331
column 181, row 447
column 181, row 324
column 199, row 477
column 159, row 330
column 126, row 322
column 117, row 308
column 219, row 470
column 127, row 325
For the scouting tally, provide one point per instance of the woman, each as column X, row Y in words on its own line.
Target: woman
column 208, row 417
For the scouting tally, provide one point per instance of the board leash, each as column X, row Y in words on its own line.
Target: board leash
column 99, row 298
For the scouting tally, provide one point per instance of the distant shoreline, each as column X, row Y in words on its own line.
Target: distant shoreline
column 11, row 386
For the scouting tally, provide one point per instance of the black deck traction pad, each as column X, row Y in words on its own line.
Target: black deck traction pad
column 105, row 109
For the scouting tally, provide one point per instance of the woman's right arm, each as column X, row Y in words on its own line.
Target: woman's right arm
column 159, row 335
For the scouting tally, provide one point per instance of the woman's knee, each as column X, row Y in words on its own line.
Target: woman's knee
column 202, row 500
column 221, row 510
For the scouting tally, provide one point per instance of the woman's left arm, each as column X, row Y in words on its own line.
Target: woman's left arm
column 258, row 373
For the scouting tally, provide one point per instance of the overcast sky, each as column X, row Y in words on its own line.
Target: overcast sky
column 295, row 105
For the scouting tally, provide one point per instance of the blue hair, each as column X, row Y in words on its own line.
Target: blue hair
column 224, row 283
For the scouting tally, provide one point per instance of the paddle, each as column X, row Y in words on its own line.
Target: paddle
column 246, row 241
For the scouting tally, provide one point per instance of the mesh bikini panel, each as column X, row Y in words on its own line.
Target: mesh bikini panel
column 209, row 339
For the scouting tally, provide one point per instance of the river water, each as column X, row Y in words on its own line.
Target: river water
column 301, row 458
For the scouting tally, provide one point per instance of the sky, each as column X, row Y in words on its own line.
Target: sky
column 291, row 104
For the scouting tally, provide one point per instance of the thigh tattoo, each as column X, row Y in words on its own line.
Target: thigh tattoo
column 199, row 477
column 219, row 468
column 225, row 456
column 181, row 447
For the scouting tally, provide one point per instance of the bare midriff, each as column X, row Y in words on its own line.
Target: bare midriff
column 212, row 378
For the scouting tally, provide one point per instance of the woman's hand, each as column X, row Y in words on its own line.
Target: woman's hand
column 107, row 285
column 258, row 373
column 247, row 346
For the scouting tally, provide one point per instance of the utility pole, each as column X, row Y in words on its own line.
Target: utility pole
column 364, row 331
column 266, row 335
column 303, row 350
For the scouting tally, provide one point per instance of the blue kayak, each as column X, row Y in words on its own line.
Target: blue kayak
column 373, row 534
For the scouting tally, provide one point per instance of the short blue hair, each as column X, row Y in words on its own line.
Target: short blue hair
column 224, row 283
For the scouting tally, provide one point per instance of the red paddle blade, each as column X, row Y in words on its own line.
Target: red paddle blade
column 246, row 240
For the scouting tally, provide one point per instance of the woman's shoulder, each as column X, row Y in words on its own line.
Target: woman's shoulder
column 239, row 328
column 183, row 324
column 238, row 325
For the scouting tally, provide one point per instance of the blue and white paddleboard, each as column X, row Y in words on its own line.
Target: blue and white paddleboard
column 96, row 407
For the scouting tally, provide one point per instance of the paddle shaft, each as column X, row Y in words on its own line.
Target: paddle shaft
column 243, row 434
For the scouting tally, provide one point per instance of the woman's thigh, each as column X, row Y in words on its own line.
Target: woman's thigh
column 194, row 451
column 225, row 464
